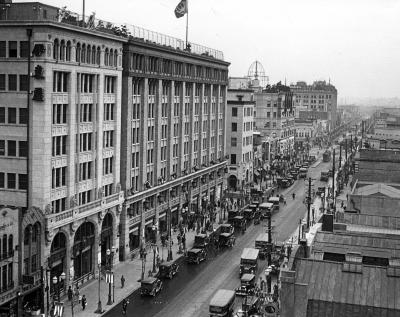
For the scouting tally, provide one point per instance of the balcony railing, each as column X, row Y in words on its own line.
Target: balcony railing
column 70, row 215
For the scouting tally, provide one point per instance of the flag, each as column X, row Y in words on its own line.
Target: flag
column 181, row 9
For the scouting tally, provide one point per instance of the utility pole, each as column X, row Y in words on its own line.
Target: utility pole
column 269, row 258
column 309, row 202
column 340, row 156
column 333, row 183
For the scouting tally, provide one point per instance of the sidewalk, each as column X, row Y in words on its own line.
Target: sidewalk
column 132, row 271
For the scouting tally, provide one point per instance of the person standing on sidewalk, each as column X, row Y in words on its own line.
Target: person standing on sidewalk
column 83, row 302
column 77, row 295
column 70, row 293
column 122, row 281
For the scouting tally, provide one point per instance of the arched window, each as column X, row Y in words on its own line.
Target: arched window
column 83, row 54
column 88, row 54
column 4, row 245
column 68, row 52
column 115, row 58
column 56, row 48
column 111, row 58
column 93, row 54
column 78, row 53
column 62, row 51
column 106, row 56
column 10, row 245
column 98, row 56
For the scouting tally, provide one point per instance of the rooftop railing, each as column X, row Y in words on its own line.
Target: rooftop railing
column 127, row 31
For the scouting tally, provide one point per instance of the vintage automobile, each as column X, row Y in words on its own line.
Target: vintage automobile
column 168, row 269
column 232, row 214
column 272, row 269
column 150, row 286
column 247, row 285
column 275, row 201
column 239, row 223
column 324, row 176
column 222, row 303
column 196, row 255
column 263, row 245
column 303, row 172
column 248, row 214
column 251, row 306
column 226, row 237
column 249, row 261
column 254, row 205
column 266, row 208
column 201, row 241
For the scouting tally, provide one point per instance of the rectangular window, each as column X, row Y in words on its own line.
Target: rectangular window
column 85, row 142
column 23, row 181
column 2, row 182
column 233, row 158
column 12, row 49
column 12, row 82
column 2, row 147
column 2, row 115
column 3, row 49
column 11, row 180
column 23, row 148
column 23, row 49
column 233, row 141
column 234, row 112
column 23, row 82
column 59, row 145
column 11, row 148
column 60, row 81
column 108, row 111
column 58, row 177
column 108, row 139
column 23, row 116
column 2, row 82
column 234, row 126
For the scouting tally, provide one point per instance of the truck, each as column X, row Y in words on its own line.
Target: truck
column 326, row 157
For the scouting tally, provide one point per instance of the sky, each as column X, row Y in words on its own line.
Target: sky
column 353, row 43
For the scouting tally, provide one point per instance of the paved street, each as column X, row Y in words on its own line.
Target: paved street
column 190, row 292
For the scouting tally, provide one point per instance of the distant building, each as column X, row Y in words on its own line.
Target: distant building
column 316, row 101
column 275, row 118
column 306, row 131
column 239, row 138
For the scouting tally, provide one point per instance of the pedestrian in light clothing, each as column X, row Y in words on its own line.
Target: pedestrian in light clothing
column 122, row 281
column 77, row 295
column 83, row 302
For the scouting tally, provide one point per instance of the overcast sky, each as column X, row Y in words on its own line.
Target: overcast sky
column 355, row 43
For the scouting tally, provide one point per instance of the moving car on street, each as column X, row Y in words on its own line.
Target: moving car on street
column 275, row 201
column 239, row 223
column 222, row 303
column 168, row 269
column 303, row 172
column 263, row 245
column 248, row 214
column 324, row 176
column 196, row 255
column 226, row 237
column 249, row 261
column 266, row 208
column 247, row 285
column 201, row 241
column 150, row 286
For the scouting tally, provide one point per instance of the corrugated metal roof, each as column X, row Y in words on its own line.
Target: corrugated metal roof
column 371, row 244
column 378, row 188
column 328, row 283
column 388, row 222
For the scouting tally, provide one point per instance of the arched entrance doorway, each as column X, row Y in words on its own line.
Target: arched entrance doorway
column 106, row 237
column 232, row 182
column 57, row 259
column 83, row 250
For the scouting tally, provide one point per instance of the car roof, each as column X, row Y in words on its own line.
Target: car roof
column 194, row 250
column 250, row 253
column 149, row 280
column 247, row 277
column 222, row 297
column 266, row 205
column 201, row 235
column 274, row 198
column 262, row 237
column 238, row 217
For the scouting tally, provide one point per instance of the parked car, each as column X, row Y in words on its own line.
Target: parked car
column 201, row 241
column 168, row 269
column 247, row 285
column 196, row 255
column 150, row 286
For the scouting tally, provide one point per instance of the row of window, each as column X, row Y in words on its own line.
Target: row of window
column 9, row 115
column 11, row 148
column 13, row 82
column 14, row 49
column 140, row 63
column 13, row 181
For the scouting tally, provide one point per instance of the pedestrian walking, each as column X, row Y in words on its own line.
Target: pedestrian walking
column 125, row 303
column 77, row 293
column 84, row 302
column 122, row 281
column 70, row 293
column 294, row 196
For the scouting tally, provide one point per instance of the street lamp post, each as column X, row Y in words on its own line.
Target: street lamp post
column 110, row 280
column 99, row 305
column 57, row 284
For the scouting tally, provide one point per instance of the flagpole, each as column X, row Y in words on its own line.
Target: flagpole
column 187, row 22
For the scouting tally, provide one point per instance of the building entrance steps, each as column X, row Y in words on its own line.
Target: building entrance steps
column 131, row 270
